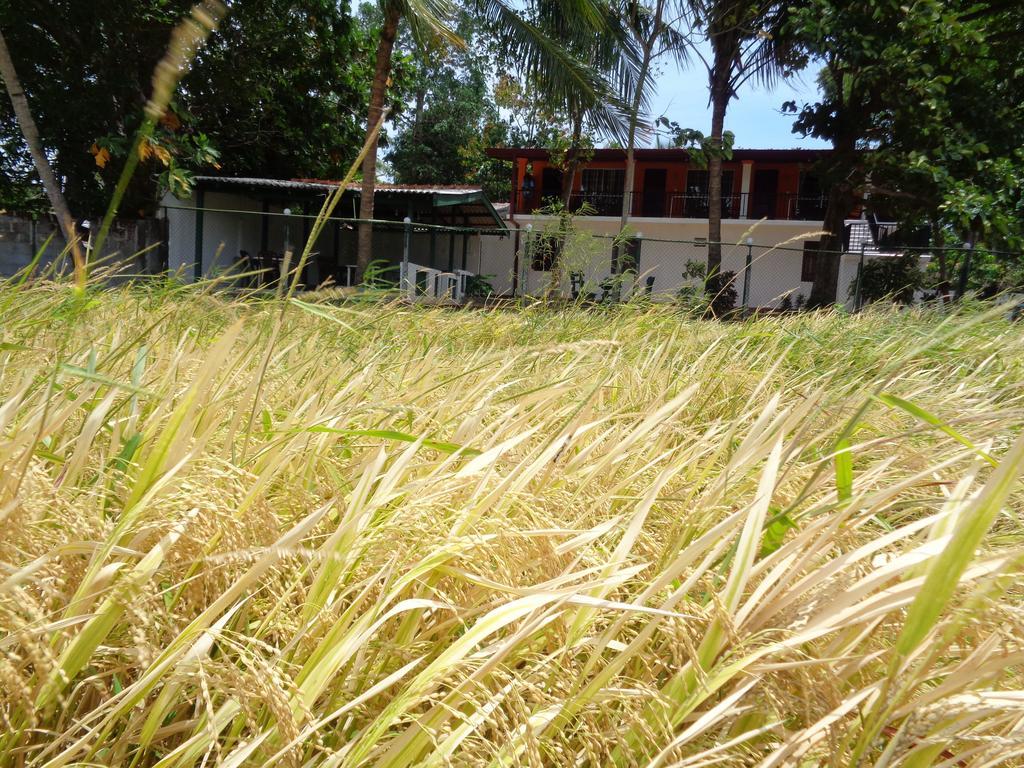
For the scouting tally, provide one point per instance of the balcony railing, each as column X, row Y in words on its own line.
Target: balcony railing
column 681, row 205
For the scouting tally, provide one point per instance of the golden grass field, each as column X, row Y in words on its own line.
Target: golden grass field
column 244, row 531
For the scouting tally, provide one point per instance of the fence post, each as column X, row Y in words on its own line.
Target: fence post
column 524, row 268
column 285, row 261
column 406, row 242
column 197, row 266
column 965, row 270
column 88, row 241
column 634, row 261
column 515, row 262
column 860, row 278
column 165, row 243
column 746, row 273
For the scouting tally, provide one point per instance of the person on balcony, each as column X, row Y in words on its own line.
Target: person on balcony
column 529, row 187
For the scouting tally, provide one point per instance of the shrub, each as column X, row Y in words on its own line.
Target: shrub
column 479, row 286
column 721, row 291
column 890, row 277
column 702, row 296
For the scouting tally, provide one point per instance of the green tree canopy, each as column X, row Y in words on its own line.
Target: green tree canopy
column 451, row 117
column 923, row 104
column 280, row 90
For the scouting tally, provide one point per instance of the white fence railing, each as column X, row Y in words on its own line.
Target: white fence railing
column 421, row 283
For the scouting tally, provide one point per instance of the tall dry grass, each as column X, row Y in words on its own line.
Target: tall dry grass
column 244, row 531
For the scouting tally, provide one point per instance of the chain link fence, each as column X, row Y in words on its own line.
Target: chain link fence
column 758, row 276
column 444, row 262
column 606, row 268
column 251, row 247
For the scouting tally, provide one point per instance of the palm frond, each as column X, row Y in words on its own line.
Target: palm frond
column 431, row 20
column 749, row 36
column 546, row 42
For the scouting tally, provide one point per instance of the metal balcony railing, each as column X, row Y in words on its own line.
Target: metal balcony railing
column 682, row 205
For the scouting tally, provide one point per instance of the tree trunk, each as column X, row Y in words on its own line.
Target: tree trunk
column 385, row 46
column 572, row 162
column 634, row 115
column 720, row 95
column 627, row 184
column 939, row 243
column 825, row 290
column 35, row 148
column 568, row 182
column 841, row 196
column 569, row 178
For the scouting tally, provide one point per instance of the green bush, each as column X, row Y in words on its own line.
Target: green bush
column 702, row 296
column 479, row 286
column 894, row 278
column 721, row 291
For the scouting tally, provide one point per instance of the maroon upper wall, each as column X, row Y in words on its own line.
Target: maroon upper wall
column 664, row 155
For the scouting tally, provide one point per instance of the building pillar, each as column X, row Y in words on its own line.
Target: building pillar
column 264, row 228
column 197, row 264
column 513, row 209
column 745, row 187
column 312, row 276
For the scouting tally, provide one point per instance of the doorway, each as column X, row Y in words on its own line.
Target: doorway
column 653, row 197
column 766, row 191
column 550, row 185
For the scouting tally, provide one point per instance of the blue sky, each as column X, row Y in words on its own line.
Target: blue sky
column 754, row 116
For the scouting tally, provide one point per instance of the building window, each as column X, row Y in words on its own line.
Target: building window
column 601, row 189
column 812, row 200
column 809, row 263
column 695, row 202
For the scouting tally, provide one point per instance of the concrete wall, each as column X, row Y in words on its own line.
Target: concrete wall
column 225, row 235
column 22, row 238
column 233, row 222
column 775, row 270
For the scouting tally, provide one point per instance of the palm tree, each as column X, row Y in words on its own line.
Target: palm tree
column 427, row 19
column 746, row 42
column 35, row 148
column 525, row 42
column 655, row 36
column 612, row 58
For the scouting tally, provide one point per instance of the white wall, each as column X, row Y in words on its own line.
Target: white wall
column 777, row 255
column 224, row 234
column 180, row 235
column 496, row 258
column 775, row 270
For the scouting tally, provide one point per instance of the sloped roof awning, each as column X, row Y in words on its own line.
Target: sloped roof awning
column 469, row 209
column 452, row 206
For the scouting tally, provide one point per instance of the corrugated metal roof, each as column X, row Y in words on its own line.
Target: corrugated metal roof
column 456, row 205
column 420, row 189
column 268, row 183
column 314, row 185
